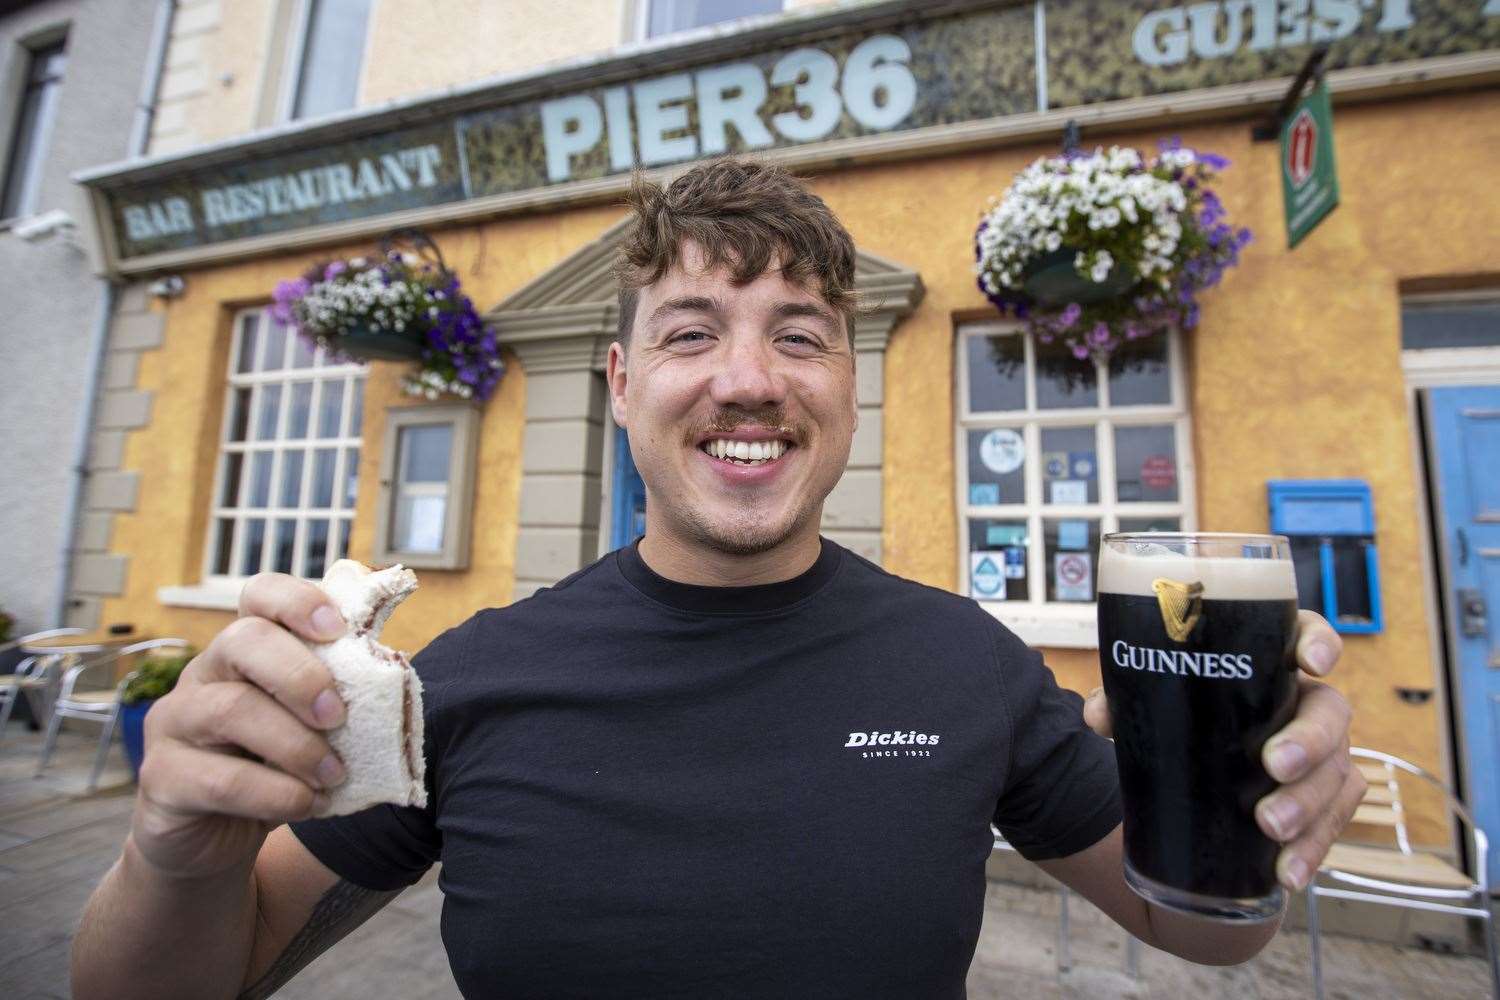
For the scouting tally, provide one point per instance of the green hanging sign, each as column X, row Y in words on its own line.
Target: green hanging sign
column 1309, row 178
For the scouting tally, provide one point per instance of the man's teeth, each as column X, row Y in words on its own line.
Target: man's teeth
column 746, row 452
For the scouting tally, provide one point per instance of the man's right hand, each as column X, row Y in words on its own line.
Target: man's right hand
column 206, row 801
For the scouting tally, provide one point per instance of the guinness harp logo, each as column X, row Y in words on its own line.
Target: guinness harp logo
column 1181, row 606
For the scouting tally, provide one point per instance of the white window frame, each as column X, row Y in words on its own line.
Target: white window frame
column 643, row 21
column 1036, row 620
column 296, row 49
column 256, row 380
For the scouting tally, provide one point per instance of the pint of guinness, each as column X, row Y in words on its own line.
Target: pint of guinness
column 1196, row 643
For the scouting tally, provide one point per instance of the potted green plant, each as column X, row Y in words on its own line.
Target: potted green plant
column 398, row 305
column 156, row 676
column 1096, row 249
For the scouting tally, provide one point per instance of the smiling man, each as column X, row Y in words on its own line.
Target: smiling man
column 733, row 759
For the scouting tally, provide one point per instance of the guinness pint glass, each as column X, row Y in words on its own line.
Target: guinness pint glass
column 1196, row 643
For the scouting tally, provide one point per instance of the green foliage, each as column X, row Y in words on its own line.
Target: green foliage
column 156, row 676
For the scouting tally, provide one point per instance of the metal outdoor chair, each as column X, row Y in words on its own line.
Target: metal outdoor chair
column 1064, row 950
column 102, row 707
column 33, row 677
column 1402, row 876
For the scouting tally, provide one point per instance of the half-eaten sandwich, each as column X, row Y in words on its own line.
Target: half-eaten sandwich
column 381, row 741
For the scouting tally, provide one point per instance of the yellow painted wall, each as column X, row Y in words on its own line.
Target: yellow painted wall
column 1295, row 373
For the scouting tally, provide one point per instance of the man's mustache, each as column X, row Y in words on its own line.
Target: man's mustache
column 733, row 418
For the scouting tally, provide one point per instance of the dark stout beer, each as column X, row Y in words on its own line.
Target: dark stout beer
column 1196, row 645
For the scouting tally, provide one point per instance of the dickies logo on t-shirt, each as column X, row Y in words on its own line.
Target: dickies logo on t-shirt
column 877, row 743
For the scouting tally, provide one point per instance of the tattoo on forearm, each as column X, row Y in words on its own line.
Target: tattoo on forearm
column 342, row 908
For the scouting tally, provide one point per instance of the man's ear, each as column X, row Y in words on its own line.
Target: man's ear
column 616, row 375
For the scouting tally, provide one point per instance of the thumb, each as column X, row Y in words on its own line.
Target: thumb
column 1096, row 713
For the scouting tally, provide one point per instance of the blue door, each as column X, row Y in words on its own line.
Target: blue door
column 1464, row 429
column 628, row 513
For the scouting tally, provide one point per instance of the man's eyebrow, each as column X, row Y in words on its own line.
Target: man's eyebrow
column 793, row 310
column 685, row 303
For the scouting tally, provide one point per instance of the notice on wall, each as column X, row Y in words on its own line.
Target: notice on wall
column 1073, row 573
column 987, row 576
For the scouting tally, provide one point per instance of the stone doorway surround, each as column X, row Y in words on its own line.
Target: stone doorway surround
column 560, row 327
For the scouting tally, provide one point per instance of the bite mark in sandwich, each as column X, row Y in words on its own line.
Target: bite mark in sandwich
column 380, row 742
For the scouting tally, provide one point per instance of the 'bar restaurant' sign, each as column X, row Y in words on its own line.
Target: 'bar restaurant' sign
column 839, row 83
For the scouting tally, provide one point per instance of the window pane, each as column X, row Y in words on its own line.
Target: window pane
column 1146, row 463
column 420, row 519
column 317, row 549
column 997, row 373
column 239, row 413
column 260, row 479
column 1150, row 524
column 234, row 463
column 997, row 560
column 668, row 16
column 300, row 411
column 274, row 358
column 255, row 537
column 1063, row 381
column 28, row 153
column 1071, row 544
column 1451, row 324
column 291, row 477
column 331, row 57
column 424, row 453
column 322, row 489
column 328, row 409
column 351, row 477
column 341, row 543
column 357, row 418
column 281, row 556
column 269, row 411
column 1070, row 466
column 1138, row 373
column 997, row 466
column 249, row 331
column 303, row 352
column 223, row 545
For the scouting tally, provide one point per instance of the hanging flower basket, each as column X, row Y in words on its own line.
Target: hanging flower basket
column 1096, row 250
column 402, row 304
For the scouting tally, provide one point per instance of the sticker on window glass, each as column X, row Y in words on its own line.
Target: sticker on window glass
column 981, row 494
column 1015, row 564
column 1055, row 464
column 1000, row 536
column 1073, row 535
column 1158, row 472
column 1069, row 490
column 1082, row 464
column 1074, row 573
column 987, row 576
column 1002, row 451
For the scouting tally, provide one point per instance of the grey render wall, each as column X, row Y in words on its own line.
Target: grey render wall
column 49, row 298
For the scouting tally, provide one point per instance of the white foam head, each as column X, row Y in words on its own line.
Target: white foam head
column 1223, row 579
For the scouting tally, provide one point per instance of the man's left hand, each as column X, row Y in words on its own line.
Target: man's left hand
column 1320, row 787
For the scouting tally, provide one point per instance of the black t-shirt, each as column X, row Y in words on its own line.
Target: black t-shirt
column 642, row 788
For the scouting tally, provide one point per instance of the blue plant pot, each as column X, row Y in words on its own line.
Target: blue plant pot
column 1052, row 280
column 376, row 344
column 133, row 732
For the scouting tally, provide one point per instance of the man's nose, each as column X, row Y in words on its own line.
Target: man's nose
column 747, row 375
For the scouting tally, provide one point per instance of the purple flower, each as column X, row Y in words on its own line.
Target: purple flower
column 1080, row 352
column 334, row 269
column 1213, row 161
column 1070, row 315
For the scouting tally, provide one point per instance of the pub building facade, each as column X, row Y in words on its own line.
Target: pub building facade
column 1344, row 391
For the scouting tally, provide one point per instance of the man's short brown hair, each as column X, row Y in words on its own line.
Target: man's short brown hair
column 742, row 213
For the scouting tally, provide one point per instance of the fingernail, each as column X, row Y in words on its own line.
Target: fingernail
column 1320, row 656
column 328, row 709
column 330, row 771
column 327, row 622
column 1297, row 873
column 1096, row 693
column 1282, row 815
column 1287, row 760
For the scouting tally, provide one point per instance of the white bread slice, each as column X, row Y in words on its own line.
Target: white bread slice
column 380, row 743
